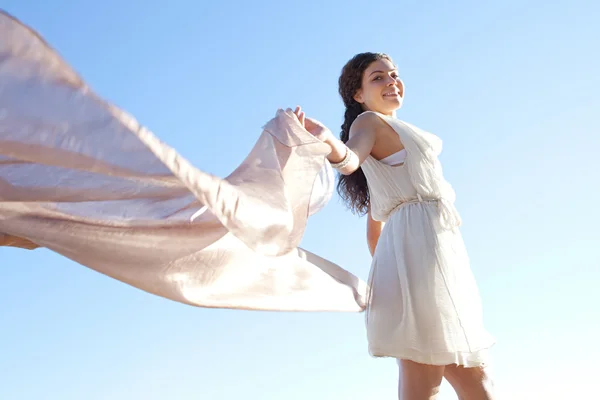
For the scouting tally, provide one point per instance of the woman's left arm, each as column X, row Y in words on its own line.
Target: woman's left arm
column 374, row 229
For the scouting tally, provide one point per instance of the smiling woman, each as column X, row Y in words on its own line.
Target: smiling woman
column 423, row 306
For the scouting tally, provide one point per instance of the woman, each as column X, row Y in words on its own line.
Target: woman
column 424, row 307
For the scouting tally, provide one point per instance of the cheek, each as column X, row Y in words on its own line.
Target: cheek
column 372, row 90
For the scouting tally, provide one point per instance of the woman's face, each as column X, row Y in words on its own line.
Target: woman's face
column 382, row 90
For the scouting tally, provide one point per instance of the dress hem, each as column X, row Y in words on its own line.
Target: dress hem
column 477, row 358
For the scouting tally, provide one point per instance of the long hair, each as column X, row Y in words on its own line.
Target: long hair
column 353, row 188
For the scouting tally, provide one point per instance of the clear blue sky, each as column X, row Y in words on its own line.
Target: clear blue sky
column 510, row 86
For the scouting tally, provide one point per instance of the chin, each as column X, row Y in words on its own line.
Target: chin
column 391, row 106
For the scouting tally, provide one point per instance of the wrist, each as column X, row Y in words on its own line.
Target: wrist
column 338, row 151
column 328, row 138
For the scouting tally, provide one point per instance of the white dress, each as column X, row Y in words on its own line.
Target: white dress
column 424, row 303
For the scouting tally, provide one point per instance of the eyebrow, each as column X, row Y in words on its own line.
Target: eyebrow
column 382, row 72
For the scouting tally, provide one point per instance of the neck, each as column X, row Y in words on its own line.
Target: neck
column 388, row 113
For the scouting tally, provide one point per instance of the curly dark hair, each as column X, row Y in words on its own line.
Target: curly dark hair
column 353, row 188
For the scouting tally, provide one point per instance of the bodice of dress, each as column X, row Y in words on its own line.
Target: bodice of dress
column 389, row 187
column 418, row 179
column 395, row 159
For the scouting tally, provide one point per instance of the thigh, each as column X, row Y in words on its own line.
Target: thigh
column 470, row 383
column 419, row 381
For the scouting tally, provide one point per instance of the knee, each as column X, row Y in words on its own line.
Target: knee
column 487, row 384
column 471, row 383
column 419, row 381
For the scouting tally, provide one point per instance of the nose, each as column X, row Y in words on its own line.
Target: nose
column 390, row 80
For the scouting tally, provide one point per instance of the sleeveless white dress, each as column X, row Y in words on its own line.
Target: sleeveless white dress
column 424, row 303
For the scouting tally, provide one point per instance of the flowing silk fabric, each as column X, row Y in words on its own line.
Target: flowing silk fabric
column 82, row 178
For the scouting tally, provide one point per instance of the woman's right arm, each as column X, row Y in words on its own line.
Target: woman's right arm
column 359, row 146
column 362, row 139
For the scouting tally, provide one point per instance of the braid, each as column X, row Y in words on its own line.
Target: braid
column 352, row 112
column 351, row 188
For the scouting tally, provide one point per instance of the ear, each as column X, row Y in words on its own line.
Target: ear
column 359, row 96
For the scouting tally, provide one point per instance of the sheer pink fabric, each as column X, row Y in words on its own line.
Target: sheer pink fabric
column 83, row 179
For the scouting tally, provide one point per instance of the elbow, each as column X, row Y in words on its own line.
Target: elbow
column 349, row 169
column 350, row 165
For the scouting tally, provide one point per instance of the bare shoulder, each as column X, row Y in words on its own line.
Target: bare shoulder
column 367, row 122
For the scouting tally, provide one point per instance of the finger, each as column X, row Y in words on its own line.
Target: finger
column 293, row 113
column 289, row 110
column 301, row 117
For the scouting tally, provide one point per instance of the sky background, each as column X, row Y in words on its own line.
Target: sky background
column 510, row 86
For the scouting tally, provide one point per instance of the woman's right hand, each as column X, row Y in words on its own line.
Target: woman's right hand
column 314, row 127
column 339, row 151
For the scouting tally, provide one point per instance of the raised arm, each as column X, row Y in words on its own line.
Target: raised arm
column 346, row 158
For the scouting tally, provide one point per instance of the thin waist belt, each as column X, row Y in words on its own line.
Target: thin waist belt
column 419, row 199
column 449, row 217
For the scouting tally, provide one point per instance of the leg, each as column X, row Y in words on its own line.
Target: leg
column 419, row 381
column 470, row 383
